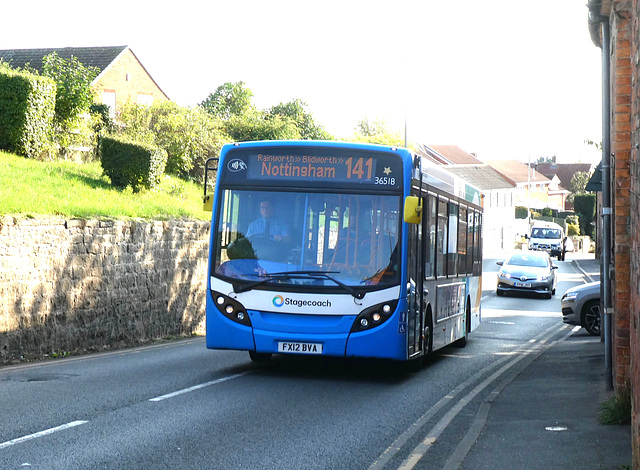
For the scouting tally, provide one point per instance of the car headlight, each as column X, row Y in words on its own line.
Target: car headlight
column 543, row 278
column 569, row 297
column 505, row 275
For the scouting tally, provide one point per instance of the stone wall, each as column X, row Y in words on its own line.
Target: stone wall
column 86, row 285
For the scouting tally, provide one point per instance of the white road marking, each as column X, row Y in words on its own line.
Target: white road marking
column 41, row 433
column 432, row 436
column 197, row 387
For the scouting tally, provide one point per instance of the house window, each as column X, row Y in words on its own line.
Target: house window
column 109, row 98
column 145, row 100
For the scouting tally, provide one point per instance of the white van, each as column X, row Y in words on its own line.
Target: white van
column 549, row 237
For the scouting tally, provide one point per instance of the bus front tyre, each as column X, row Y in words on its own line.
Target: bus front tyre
column 259, row 357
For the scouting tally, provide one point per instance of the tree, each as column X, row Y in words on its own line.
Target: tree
column 579, row 182
column 260, row 126
column 229, row 99
column 376, row 132
column 188, row 135
column 296, row 111
column 73, row 80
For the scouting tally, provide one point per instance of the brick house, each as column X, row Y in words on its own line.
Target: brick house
column 561, row 173
column 614, row 26
column 532, row 187
column 121, row 79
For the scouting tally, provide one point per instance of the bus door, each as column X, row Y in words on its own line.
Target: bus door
column 415, row 265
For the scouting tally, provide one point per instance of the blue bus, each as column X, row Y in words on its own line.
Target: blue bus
column 340, row 249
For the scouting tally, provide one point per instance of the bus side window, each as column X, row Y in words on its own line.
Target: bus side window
column 441, row 239
column 462, row 241
column 452, row 249
column 471, row 240
column 477, row 258
column 431, row 217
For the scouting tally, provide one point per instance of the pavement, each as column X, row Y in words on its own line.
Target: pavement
column 546, row 416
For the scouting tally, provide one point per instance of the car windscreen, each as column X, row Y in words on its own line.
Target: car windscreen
column 532, row 261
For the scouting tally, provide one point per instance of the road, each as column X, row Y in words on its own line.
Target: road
column 179, row 405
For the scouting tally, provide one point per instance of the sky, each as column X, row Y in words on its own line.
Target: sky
column 503, row 79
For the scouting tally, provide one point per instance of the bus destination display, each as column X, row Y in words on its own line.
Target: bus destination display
column 363, row 169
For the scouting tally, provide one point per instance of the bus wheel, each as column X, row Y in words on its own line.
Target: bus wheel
column 428, row 336
column 259, row 357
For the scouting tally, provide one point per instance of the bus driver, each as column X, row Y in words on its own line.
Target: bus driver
column 267, row 225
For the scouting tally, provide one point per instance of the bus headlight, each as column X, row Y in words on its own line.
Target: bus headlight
column 374, row 316
column 230, row 308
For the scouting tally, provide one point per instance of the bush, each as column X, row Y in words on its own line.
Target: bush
column 129, row 163
column 573, row 229
column 521, row 212
column 585, row 207
column 27, row 104
column 572, row 219
column 188, row 135
column 104, row 123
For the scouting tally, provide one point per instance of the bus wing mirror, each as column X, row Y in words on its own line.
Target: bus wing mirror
column 412, row 210
column 207, row 201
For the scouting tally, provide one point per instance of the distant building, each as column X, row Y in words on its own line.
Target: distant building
column 563, row 172
column 532, row 187
column 122, row 78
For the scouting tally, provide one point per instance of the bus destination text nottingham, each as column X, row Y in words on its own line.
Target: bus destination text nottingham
column 298, row 166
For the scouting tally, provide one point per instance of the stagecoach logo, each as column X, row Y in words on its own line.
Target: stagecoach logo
column 279, row 301
column 236, row 165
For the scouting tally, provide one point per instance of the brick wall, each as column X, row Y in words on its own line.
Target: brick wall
column 75, row 285
column 621, row 77
column 634, row 224
column 128, row 78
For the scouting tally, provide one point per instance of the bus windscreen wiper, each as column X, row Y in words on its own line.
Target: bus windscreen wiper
column 265, row 278
column 299, row 275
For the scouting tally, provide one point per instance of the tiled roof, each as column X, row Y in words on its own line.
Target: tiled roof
column 99, row 57
column 455, row 154
column 447, row 154
column 564, row 171
column 481, row 176
column 517, row 171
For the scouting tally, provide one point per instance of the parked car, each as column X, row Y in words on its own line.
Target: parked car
column 527, row 271
column 581, row 306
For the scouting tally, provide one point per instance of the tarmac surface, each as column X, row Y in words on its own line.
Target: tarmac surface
column 547, row 416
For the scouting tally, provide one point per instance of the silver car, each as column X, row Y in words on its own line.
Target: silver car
column 581, row 306
column 527, row 271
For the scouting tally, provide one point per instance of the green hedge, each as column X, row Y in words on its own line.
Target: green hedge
column 27, row 107
column 129, row 163
column 585, row 207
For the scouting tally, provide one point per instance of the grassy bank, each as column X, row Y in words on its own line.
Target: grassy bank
column 35, row 188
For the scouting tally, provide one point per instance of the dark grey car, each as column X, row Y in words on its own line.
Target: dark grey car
column 527, row 271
